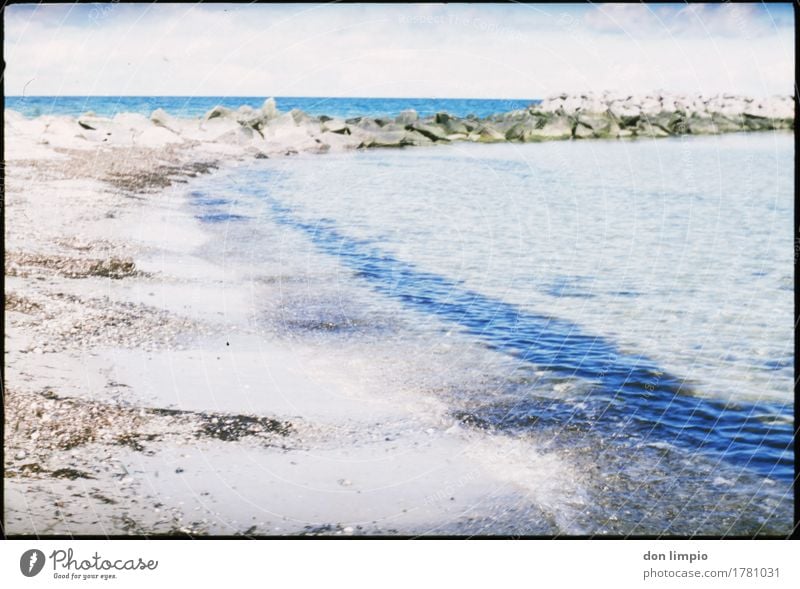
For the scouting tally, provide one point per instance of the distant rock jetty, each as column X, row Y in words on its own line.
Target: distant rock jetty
column 267, row 132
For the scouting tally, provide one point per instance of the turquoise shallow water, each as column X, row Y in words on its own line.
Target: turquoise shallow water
column 194, row 106
column 629, row 301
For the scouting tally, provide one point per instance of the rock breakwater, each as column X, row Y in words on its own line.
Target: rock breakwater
column 266, row 131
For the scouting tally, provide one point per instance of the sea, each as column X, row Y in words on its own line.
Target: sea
column 626, row 303
column 197, row 106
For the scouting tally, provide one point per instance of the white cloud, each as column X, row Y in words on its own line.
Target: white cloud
column 728, row 20
column 691, row 20
column 631, row 19
column 522, row 51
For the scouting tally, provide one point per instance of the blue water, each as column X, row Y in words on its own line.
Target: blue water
column 626, row 278
column 630, row 303
column 195, row 106
column 628, row 388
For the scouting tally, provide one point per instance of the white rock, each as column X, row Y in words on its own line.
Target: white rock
column 270, row 109
column 650, row 106
column 407, row 117
column 212, row 129
column 594, row 106
column 550, row 105
column 342, row 142
column 239, row 136
column 624, row 109
column 334, row 126
column 778, row 107
column 163, row 119
column 157, row 137
column 132, row 120
column 572, row 104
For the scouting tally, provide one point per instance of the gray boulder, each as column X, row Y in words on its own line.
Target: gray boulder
column 486, row 134
column 370, row 125
column 270, row 110
column 335, row 126
column 451, row 125
column 698, row 125
column 729, row 124
column 218, row 112
column 300, row 117
column 583, row 131
column 415, row 137
column 457, row 127
column 161, row 118
column 388, row 139
column 753, row 123
column 392, row 127
column 407, row 117
column 429, row 130
column 625, row 112
column 646, row 128
column 519, row 132
column 250, row 117
column 558, row 127
column 673, row 122
column 600, row 125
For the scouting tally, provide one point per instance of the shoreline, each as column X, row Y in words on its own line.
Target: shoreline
column 135, row 386
column 123, row 347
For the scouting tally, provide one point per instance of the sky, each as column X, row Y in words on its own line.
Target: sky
column 438, row 51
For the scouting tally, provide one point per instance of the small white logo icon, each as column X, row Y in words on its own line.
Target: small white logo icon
column 31, row 562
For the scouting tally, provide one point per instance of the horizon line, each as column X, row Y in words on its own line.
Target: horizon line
column 264, row 96
column 276, row 96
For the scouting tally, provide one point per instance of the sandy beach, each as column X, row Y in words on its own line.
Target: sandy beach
column 140, row 399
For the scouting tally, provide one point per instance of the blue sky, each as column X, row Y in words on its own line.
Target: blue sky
column 454, row 50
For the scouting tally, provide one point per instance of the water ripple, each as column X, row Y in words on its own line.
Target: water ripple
column 654, row 403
